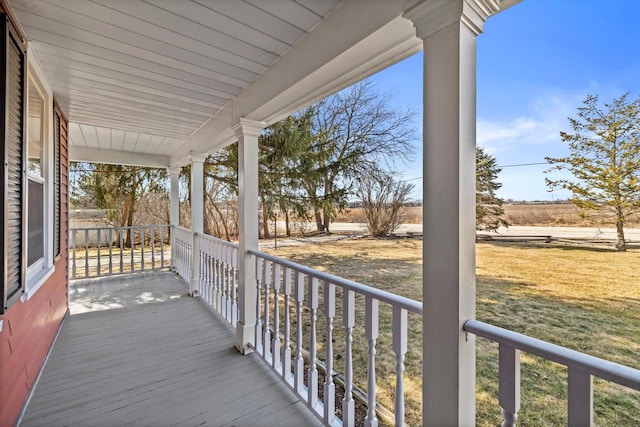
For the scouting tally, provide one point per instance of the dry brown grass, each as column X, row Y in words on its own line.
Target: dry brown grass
column 583, row 298
column 409, row 215
column 551, row 214
column 564, row 214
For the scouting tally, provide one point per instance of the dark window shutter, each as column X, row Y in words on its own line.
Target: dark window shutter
column 13, row 77
column 56, row 183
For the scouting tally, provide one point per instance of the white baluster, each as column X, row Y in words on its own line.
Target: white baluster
column 223, row 278
column 110, row 237
column 142, row 248
column 276, row 318
column 74, row 239
column 234, row 284
column 227, row 290
column 286, row 354
column 86, row 253
column 132, row 241
column 312, row 374
column 258, row 340
column 98, row 243
column 266, row 339
column 298, row 369
column 329, row 386
column 348, row 318
column 202, row 277
column 216, row 275
column 509, row 390
column 161, row 247
column 399, row 348
column 580, row 391
column 153, row 248
column 371, row 333
column 210, row 272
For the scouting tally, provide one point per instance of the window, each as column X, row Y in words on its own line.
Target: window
column 35, row 172
column 12, row 152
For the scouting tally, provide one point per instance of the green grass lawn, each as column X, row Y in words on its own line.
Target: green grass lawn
column 583, row 298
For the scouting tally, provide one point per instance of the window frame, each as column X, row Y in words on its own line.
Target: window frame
column 40, row 271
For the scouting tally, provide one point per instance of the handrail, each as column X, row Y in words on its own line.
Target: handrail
column 581, row 370
column 113, row 227
column 611, row 371
column 217, row 240
column 384, row 296
column 181, row 228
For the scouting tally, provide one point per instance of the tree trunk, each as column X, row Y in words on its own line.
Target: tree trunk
column 223, row 220
column 265, row 222
column 286, row 223
column 327, row 218
column 127, row 217
column 318, row 215
column 621, row 245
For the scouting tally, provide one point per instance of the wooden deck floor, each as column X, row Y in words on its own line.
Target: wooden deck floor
column 168, row 363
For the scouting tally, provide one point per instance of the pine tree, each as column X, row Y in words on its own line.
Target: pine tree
column 489, row 211
column 604, row 160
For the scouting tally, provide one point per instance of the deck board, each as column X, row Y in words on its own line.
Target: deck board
column 169, row 361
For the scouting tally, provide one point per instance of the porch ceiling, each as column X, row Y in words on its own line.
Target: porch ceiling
column 151, row 81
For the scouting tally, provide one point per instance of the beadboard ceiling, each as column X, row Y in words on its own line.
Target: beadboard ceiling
column 145, row 75
column 166, row 78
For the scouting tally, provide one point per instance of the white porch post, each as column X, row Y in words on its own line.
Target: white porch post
column 247, row 132
column 197, row 216
column 449, row 29
column 174, row 211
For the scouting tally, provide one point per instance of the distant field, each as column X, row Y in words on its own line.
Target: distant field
column 550, row 214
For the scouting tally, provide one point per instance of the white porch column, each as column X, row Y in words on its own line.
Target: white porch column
column 174, row 211
column 247, row 132
column 449, row 29
column 197, row 216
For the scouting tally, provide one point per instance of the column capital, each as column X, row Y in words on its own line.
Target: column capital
column 175, row 170
column 248, row 127
column 430, row 16
column 198, row 157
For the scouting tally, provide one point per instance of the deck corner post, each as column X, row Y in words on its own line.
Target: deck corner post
column 449, row 29
column 247, row 132
column 174, row 212
column 197, row 217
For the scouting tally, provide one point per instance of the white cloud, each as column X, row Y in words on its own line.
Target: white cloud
column 541, row 123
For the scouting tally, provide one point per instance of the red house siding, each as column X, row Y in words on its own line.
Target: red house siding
column 30, row 327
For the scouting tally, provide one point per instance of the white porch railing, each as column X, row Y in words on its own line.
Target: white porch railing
column 286, row 291
column 106, row 251
column 182, row 241
column 297, row 305
column 582, row 368
column 218, row 277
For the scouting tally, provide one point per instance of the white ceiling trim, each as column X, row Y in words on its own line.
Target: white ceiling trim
column 97, row 155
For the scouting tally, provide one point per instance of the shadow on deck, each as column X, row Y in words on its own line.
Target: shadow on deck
column 159, row 358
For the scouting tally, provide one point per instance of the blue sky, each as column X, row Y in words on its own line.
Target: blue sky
column 536, row 62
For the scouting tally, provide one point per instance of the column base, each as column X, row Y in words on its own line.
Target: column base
column 193, row 288
column 245, row 334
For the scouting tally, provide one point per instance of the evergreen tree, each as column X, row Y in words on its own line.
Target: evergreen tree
column 489, row 211
column 604, row 160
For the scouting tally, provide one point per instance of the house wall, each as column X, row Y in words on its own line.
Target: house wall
column 29, row 327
